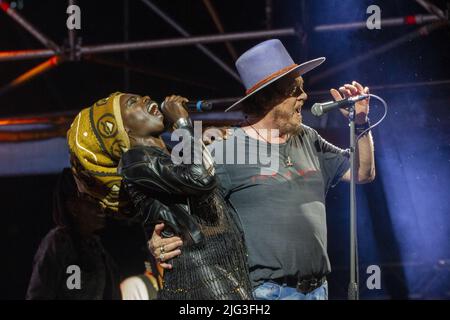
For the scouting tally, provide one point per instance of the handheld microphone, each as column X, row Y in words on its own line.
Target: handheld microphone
column 199, row 106
column 318, row 109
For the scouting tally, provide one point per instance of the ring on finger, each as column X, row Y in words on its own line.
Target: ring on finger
column 161, row 257
column 162, row 250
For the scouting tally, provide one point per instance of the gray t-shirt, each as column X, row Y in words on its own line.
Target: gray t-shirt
column 281, row 210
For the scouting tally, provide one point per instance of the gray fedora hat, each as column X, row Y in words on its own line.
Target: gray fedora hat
column 265, row 63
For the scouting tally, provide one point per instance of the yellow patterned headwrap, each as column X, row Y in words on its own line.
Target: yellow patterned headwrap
column 97, row 140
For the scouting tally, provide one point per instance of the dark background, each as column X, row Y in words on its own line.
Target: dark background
column 403, row 215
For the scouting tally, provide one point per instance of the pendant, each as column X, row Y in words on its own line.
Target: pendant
column 288, row 162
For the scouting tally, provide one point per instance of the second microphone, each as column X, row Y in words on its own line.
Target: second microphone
column 199, row 106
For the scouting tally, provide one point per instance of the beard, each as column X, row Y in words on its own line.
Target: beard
column 287, row 122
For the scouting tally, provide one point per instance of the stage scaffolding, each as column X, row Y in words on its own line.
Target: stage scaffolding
column 74, row 51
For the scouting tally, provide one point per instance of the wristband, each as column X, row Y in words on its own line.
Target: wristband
column 183, row 123
column 360, row 128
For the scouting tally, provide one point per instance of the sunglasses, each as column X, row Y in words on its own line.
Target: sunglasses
column 296, row 91
column 293, row 89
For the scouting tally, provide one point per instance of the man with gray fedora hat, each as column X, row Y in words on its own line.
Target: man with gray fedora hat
column 281, row 209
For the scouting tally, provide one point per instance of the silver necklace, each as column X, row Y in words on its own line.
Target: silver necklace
column 288, row 162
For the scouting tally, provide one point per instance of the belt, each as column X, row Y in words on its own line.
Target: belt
column 303, row 285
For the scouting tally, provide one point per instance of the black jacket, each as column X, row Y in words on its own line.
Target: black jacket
column 186, row 198
column 150, row 171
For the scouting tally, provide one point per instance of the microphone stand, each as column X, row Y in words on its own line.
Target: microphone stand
column 353, row 290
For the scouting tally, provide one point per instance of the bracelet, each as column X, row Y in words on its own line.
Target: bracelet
column 183, row 123
column 360, row 128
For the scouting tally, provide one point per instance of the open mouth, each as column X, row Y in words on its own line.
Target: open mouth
column 152, row 108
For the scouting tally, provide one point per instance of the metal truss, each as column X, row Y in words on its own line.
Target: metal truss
column 74, row 51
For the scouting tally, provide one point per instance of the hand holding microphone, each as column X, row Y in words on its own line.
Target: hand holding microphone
column 357, row 92
column 346, row 96
column 173, row 108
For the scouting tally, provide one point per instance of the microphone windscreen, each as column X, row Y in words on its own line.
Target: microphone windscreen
column 316, row 109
